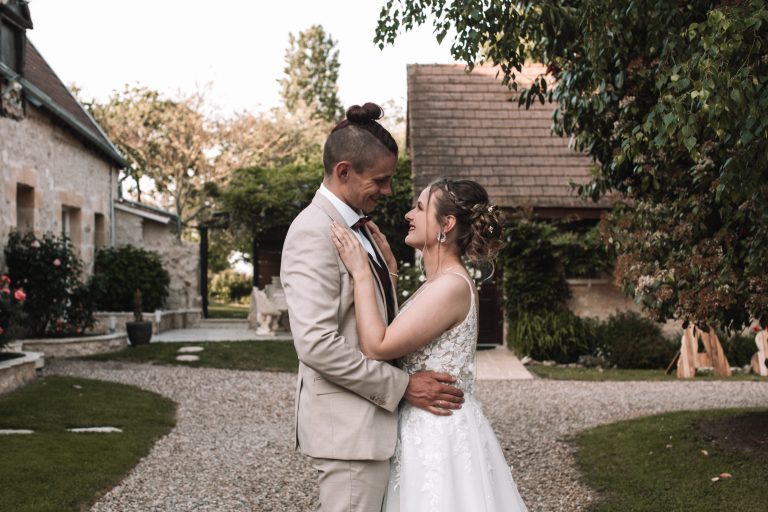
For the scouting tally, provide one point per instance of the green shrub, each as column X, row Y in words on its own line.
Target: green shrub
column 231, row 286
column 582, row 255
column 628, row 340
column 410, row 277
column 119, row 271
column 533, row 276
column 559, row 336
column 48, row 270
column 739, row 349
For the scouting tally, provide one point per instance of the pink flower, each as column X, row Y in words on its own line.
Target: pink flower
column 5, row 279
column 35, row 244
column 19, row 295
column 57, row 262
column 6, row 291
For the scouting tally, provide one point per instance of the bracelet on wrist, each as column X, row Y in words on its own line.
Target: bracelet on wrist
column 393, row 274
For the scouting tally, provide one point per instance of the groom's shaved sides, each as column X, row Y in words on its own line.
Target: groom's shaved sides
column 359, row 140
column 354, row 145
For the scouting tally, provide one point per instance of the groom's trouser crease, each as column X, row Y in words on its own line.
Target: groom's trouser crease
column 351, row 485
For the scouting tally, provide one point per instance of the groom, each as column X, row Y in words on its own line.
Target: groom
column 346, row 405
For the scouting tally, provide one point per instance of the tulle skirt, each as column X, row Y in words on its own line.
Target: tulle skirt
column 450, row 463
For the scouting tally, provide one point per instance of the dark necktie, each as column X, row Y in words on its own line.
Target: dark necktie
column 362, row 221
column 381, row 271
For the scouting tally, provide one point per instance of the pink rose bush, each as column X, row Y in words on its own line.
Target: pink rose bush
column 11, row 302
column 47, row 285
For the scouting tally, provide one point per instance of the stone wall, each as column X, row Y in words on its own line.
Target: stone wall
column 53, row 169
column 601, row 298
column 166, row 320
column 128, row 229
column 181, row 259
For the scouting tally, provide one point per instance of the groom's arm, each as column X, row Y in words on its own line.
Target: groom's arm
column 311, row 278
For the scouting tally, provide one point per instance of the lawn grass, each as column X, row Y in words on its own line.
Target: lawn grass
column 58, row 471
column 267, row 355
column 656, row 463
column 232, row 310
column 593, row 374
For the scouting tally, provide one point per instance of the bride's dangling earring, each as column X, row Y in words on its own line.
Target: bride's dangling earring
column 441, row 238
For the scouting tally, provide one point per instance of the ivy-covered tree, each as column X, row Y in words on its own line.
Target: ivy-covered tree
column 311, row 71
column 260, row 199
column 669, row 98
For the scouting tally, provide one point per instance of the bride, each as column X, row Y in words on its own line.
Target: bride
column 451, row 461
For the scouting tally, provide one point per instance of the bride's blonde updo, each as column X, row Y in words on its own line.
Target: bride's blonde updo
column 478, row 222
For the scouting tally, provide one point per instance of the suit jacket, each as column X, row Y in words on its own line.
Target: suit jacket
column 346, row 404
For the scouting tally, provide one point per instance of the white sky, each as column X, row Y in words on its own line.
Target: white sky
column 236, row 46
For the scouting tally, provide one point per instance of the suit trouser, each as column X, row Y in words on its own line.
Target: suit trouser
column 351, row 485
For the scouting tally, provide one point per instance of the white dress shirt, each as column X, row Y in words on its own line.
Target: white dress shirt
column 350, row 216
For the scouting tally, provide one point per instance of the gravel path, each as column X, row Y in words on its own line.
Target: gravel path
column 231, row 449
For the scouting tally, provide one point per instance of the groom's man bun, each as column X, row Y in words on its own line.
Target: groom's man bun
column 358, row 139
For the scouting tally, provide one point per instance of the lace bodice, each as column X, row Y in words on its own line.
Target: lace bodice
column 449, row 463
column 452, row 352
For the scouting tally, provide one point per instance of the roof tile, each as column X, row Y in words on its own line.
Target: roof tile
column 470, row 125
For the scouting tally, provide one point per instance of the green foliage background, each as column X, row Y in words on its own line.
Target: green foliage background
column 119, row 271
column 669, row 98
column 260, row 199
column 49, row 271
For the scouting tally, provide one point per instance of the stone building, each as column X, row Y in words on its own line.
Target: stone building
column 468, row 125
column 156, row 230
column 59, row 171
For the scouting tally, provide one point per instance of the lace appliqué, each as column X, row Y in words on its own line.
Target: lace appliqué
column 452, row 352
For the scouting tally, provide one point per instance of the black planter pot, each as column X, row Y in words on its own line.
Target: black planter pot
column 139, row 333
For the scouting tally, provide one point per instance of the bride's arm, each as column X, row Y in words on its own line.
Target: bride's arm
column 437, row 309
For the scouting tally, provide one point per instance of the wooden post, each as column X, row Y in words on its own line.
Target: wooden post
column 204, row 268
column 716, row 354
column 686, row 363
column 690, row 358
column 758, row 365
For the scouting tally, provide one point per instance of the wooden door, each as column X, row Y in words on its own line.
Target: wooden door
column 491, row 329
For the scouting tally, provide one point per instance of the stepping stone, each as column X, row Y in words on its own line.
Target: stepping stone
column 95, row 430
column 191, row 349
column 11, row 431
column 187, row 359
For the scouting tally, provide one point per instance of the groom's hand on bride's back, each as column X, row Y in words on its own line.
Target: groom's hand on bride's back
column 434, row 392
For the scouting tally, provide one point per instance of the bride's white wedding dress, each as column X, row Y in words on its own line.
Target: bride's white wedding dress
column 449, row 463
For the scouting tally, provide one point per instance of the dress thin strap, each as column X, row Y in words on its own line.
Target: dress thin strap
column 471, row 289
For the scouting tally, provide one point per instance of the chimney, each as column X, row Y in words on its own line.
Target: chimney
column 14, row 23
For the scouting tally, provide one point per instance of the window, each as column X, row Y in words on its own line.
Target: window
column 70, row 224
column 25, row 208
column 10, row 46
column 99, row 231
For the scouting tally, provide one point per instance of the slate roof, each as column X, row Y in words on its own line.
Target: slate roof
column 464, row 125
column 44, row 89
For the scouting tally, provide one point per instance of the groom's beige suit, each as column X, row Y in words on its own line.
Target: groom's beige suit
column 346, row 404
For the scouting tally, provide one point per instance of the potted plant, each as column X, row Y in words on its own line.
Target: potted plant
column 139, row 331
